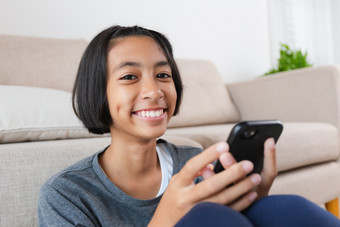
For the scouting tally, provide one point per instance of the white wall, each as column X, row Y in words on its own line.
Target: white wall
column 231, row 33
column 335, row 4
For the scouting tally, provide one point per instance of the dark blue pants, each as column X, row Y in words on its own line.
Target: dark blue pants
column 276, row 210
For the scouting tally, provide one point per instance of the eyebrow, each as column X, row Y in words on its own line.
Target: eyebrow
column 136, row 64
column 162, row 63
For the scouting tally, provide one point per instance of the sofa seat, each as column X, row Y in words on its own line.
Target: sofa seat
column 299, row 145
column 318, row 183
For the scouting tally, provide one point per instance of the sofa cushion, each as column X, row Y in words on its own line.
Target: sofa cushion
column 25, row 167
column 303, row 144
column 205, row 98
column 299, row 145
column 318, row 183
column 31, row 114
column 39, row 62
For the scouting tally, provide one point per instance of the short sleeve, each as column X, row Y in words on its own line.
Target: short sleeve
column 54, row 209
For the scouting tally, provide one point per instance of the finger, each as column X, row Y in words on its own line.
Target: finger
column 207, row 173
column 200, row 161
column 244, row 202
column 236, row 191
column 211, row 166
column 269, row 171
column 220, row 181
column 227, row 160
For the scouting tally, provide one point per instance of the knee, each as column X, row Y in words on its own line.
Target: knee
column 285, row 200
column 278, row 205
column 289, row 210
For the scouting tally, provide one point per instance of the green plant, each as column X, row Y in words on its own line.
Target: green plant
column 289, row 60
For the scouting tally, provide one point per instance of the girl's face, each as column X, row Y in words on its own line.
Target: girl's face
column 140, row 90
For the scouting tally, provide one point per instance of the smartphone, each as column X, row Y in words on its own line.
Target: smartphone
column 246, row 141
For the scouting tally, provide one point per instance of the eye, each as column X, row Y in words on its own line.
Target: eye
column 129, row 77
column 163, row 76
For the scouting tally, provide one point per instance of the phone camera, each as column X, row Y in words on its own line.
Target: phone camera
column 249, row 133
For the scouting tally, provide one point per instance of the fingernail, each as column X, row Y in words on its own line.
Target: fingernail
column 255, row 178
column 247, row 166
column 206, row 173
column 222, row 147
column 252, row 196
column 271, row 143
column 227, row 159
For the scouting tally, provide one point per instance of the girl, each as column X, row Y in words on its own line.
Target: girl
column 128, row 84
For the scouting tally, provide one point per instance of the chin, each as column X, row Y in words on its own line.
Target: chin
column 152, row 134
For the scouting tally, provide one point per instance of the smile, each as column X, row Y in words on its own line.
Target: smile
column 150, row 113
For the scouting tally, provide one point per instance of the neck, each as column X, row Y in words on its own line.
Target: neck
column 131, row 163
column 136, row 158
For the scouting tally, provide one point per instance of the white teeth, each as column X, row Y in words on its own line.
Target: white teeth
column 145, row 113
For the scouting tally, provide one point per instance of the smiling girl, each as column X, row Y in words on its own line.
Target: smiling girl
column 128, row 84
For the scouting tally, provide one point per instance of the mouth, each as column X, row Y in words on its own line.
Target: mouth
column 150, row 114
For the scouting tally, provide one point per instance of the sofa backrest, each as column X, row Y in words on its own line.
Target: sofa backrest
column 53, row 63
column 39, row 62
column 205, row 97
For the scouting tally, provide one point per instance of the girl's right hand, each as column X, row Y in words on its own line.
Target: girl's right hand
column 182, row 194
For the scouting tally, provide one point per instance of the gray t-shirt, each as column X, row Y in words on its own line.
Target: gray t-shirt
column 82, row 195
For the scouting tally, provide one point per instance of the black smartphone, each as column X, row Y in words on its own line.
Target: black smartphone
column 246, row 141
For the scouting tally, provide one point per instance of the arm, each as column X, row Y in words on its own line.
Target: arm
column 304, row 95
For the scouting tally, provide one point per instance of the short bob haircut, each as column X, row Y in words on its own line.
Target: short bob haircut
column 89, row 98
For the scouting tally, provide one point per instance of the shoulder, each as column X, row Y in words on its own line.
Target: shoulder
column 73, row 177
column 68, row 188
column 79, row 166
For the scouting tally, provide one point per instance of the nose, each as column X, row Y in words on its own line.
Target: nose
column 151, row 89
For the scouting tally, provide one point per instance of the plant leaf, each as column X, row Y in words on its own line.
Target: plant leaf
column 289, row 60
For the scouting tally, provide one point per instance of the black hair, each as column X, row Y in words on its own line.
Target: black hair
column 89, row 97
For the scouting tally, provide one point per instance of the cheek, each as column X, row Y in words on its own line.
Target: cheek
column 118, row 100
column 111, row 103
column 172, row 97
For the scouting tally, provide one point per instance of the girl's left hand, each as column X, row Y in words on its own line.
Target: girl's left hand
column 269, row 171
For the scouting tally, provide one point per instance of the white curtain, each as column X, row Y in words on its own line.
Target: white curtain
column 302, row 24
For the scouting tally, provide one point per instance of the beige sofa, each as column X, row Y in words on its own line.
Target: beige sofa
column 39, row 134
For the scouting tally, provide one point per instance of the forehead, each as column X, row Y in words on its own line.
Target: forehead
column 135, row 48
